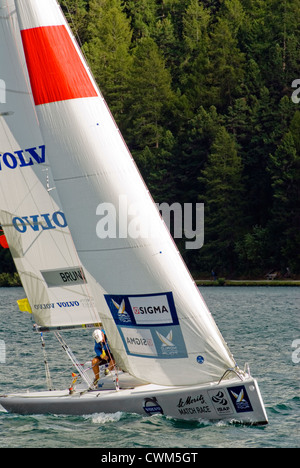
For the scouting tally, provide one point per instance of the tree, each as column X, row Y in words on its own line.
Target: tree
column 108, row 51
column 226, row 67
column 151, row 96
column 285, row 224
column 222, row 178
column 255, row 251
column 194, row 65
column 235, row 14
column 77, row 16
column 193, row 149
column 143, row 14
column 256, row 158
column 195, row 24
column 6, row 261
column 271, row 38
column 164, row 36
column 295, row 130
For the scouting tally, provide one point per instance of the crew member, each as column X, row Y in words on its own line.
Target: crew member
column 103, row 354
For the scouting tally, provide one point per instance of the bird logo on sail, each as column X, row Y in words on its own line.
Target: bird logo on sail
column 168, row 346
column 123, row 316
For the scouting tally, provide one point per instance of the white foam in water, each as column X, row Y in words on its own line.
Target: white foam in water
column 103, row 418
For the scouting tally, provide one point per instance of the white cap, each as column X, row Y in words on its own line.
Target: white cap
column 98, row 336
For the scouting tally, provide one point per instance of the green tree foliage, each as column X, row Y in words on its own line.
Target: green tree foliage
column 201, row 90
column 285, row 222
column 6, row 262
column 150, row 84
column 223, row 188
column 107, row 50
column 76, row 14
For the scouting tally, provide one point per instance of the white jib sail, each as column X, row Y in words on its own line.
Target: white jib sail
column 56, row 284
column 158, row 325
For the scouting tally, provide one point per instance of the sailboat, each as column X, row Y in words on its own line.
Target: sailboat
column 160, row 330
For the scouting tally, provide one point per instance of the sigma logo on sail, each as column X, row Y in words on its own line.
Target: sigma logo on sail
column 150, row 310
column 43, row 222
column 139, row 341
column 23, row 158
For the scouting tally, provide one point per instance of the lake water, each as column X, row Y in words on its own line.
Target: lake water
column 260, row 325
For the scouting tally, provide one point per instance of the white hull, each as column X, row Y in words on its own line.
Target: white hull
column 230, row 400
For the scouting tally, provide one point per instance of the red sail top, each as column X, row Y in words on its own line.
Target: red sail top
column 56, row 71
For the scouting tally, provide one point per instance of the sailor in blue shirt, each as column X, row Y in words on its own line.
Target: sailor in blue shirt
column 103, row 354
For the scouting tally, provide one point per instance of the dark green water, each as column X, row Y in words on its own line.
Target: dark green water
column 259, row 324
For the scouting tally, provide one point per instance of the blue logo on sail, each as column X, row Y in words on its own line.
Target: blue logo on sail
column 148, row 325
column 42, row 222
column 143, row 310
column 23, row 158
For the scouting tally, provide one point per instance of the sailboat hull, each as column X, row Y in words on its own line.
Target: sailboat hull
column 233, row 400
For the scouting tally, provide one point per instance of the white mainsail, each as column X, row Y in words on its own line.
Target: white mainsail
column 57, row 286
column 158, row 325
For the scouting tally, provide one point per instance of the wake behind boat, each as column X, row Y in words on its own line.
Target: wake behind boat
column 63, row 150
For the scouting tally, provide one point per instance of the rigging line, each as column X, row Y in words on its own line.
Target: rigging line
column 84, row 176
column 15, row 91
column 73, row 359
column 47, row 369
column 76, row 33
column 114, row 249
column 116, row 382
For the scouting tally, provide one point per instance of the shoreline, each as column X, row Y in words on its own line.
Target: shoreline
column 12, row 280
column 250, row 283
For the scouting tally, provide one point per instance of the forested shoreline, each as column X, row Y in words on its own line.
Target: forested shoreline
column 202, row 92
